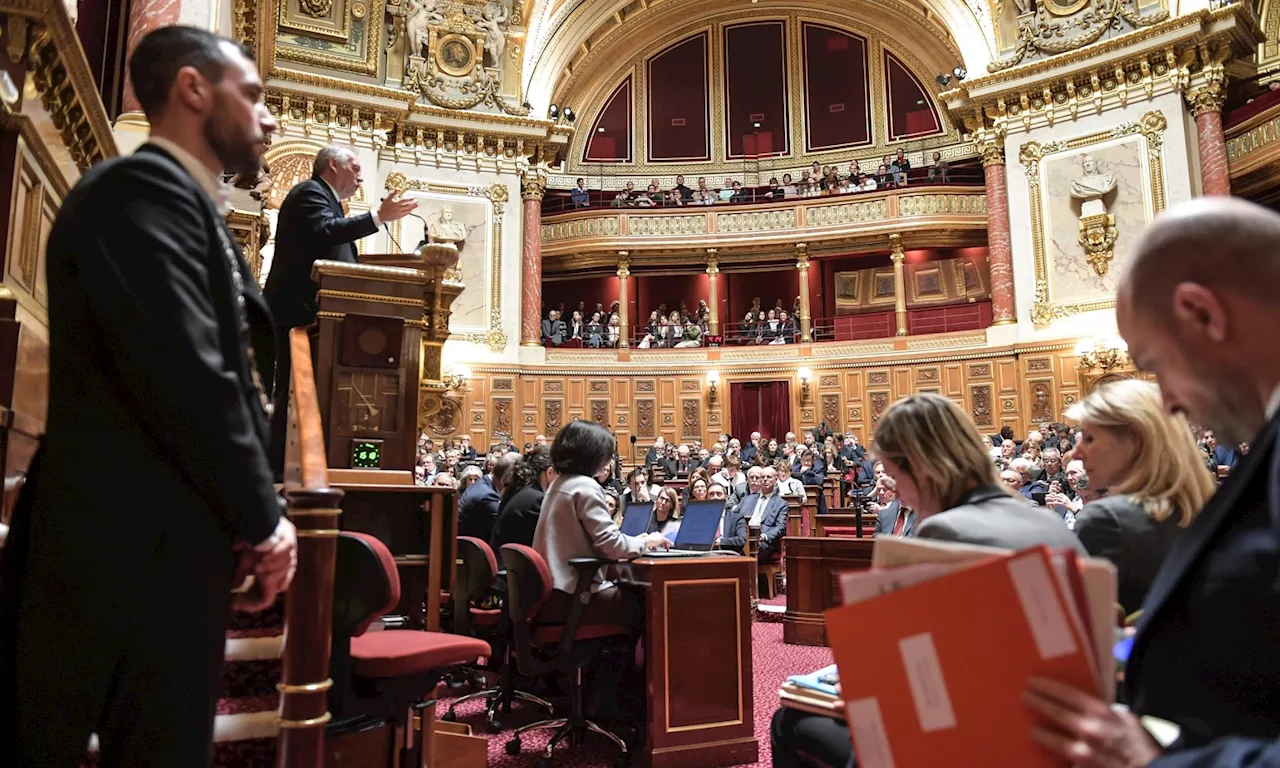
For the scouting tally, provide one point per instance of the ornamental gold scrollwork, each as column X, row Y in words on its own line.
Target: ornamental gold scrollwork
column 1042, row 35
column 316, row 8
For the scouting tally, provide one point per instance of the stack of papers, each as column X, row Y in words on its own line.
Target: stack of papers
column 954, row 632
column 813, row 692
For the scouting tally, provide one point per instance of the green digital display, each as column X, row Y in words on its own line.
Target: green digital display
column 366, row 454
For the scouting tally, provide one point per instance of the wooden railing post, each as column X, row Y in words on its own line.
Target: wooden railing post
column 315, row 509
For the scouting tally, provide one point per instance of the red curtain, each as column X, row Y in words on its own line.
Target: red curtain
column 763, row 407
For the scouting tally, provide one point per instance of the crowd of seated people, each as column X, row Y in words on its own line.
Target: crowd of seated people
column 773, row 326
column 598, row 329
column 815, row 181
column 678, row 328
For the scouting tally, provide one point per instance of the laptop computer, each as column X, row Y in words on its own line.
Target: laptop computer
column 698, row 528
column 636, row 518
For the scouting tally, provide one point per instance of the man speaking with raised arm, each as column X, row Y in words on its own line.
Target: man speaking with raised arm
column 313, row 227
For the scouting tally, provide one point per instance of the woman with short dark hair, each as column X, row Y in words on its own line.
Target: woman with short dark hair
column 521, row 503
column 575, row 522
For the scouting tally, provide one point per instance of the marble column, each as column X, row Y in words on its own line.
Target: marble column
column 898, row 256
column 806, row 317
column 1206, row 106
column 624, row 326
column 713, row 297
column 990, row 144
column 145, row 16
column 533, row 185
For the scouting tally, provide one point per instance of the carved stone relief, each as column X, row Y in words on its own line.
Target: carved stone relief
column 831, row 411
column 502, row 416
column 600, row 411
column 552, row 415
column 980, row 398
column 644, row 418
column 692, row 412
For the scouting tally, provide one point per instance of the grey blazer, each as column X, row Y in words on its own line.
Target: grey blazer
column 987, row 515
column 575, row 523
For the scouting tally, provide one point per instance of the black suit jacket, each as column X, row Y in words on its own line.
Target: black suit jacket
column 311, row 227
column 154, row 459
column 1205, row 653
column 733, row 531
column 1118, row 529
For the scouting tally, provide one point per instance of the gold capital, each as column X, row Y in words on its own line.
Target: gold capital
column 624, row 263
column 533, row 185
column 895, row 243
column 989, row 142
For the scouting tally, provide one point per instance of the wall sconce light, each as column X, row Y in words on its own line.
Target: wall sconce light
column 713, row 378
column 806, row 376
column 456, row 380
column 1104, row 353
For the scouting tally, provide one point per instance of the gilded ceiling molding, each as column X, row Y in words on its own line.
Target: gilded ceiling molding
column 1036, row 34
column 61, row 77
column 559, row 30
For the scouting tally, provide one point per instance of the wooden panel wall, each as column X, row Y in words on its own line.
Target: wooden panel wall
column 1018, row 388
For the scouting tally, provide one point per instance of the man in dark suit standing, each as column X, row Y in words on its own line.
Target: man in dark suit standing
column 115, row 594
column 1194, row 306
column 312, row 227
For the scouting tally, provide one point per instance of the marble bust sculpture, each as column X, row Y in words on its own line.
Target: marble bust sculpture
column 446, row 230
column 1092, row 184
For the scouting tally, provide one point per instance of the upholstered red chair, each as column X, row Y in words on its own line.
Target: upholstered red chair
column 543, row 648
column 384, row 673
column 477, row 571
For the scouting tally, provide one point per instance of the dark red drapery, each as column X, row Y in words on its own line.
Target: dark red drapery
column 763, row 407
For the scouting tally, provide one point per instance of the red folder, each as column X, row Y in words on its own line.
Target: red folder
column 934, row 673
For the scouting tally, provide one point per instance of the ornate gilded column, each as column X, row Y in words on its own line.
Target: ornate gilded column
column 713, row 298
column 145, row 16
column 1206, row 106
column 990, row 143
column 624, row 327
column 533, row 185
column 899, row 284
column 806, row 318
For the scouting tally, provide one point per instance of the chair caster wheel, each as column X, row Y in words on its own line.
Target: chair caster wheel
column 495, row 725
column 513, row 746
column 450, row 716
column 542, row 762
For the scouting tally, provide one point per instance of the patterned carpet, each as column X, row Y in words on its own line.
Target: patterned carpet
column 773, row 661
column 248, row 693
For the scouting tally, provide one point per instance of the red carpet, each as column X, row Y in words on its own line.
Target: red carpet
column 773, row 662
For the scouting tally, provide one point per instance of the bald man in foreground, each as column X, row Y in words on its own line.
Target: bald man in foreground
column 1200, row 308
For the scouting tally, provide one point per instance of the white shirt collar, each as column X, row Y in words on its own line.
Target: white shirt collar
column 211, row 182
column 1273, row 404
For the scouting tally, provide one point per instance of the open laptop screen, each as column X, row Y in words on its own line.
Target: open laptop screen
column 699, row 526
column 636, row 518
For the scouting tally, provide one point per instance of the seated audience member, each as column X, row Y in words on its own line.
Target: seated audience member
column 939, row 169
column 575, row 522
column 554, row 330
column 854, row 179
column 901, row 167
column 732, row 535
column 884, row 179
column 788, row 333
column 666, row 511
column 699, row 483
column 767, row 509
column 812, row 471
column 1051, row 460
column 581, row 197
column 1148, row 462
column 522, row 499
column 685, row 193
column 478, row 505
column 1008, row 452
column 788, row 187
column 445, row 479
column 705, row 195
column 613, row 505
column 1029, row 487
column 470, row 475
column 682, row 464
column 593, row 334
column 576, row 327
column 621, row 200
column 892, row 519
column 638, row 489
column 648, row 198
column 775, row 191
column 1224, row 456
column 613, row 331
column 726, row 191
column 932, row 450
column 738, row 194
column 1011, row 479
column 788, row 485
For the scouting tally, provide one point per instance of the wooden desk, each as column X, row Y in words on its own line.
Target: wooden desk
column 697, row 660
column 813, row 568
column 414, row 521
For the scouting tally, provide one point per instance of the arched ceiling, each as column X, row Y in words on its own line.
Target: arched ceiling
column 567, row 39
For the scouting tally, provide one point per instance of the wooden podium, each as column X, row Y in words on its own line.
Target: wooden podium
column 381, row 326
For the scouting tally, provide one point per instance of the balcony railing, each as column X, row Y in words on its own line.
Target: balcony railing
column 815, row 220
